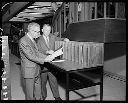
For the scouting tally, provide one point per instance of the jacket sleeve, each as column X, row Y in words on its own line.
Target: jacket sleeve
column 40, row 47
column 34, row 56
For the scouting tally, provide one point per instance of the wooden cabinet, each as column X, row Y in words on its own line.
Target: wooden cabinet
column 100, row 30
column 111, row 32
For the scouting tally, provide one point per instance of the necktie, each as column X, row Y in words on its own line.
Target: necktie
column 34, row 43
column 47, row 41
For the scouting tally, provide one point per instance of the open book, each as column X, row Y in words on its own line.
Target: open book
column 58, row 52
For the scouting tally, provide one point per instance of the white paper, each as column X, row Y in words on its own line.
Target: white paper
column 58, row 61
column 57, row 52
column 5, row 98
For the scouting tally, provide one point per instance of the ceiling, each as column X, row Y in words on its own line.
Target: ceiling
column 37, row 10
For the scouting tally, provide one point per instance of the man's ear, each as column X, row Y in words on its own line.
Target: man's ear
column 42, row 30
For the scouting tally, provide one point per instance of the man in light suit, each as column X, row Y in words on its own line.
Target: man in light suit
column 30, row 57
column 46, row 44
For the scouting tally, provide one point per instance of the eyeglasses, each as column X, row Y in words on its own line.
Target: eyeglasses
column 36, row 31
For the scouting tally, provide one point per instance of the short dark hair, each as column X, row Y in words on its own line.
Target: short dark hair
column 46, row 25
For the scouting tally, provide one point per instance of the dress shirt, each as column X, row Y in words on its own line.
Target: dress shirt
column 46, row 40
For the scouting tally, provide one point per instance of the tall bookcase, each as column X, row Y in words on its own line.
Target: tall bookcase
column 6, row 82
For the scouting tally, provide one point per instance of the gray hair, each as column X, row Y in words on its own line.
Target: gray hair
column 33, row 24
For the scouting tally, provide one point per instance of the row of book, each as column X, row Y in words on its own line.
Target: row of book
column 6, row 83
column 88, row 54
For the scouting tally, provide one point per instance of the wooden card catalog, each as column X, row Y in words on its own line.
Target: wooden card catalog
column 88, row 54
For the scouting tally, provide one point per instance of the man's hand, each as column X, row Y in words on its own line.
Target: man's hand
column 56, row 33
column 66, row 40
column 49, row 52
column 49, row 58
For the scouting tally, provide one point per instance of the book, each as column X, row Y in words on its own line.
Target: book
column 58, row 61
column 58, row 52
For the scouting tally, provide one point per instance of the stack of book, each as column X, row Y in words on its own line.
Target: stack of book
column 88, row 54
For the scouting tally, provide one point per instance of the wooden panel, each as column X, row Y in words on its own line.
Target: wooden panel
column 115, row 30
column 87, row 54
column 87, row 31
column 100, row 30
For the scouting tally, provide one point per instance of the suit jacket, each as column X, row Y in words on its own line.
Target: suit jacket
column 42, row 46
column 30, row 56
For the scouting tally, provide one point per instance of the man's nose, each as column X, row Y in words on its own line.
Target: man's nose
column 39, row 34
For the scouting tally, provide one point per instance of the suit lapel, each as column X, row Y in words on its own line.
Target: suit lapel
column 44, row 42
column 50, row 42
column 31, row 42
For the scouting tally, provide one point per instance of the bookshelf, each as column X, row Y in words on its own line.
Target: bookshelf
column 6, row 82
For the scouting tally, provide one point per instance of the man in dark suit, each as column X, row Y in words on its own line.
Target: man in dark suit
column 46, row 44
column 30, row 57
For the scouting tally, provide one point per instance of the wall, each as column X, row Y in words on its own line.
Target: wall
column 6, row 28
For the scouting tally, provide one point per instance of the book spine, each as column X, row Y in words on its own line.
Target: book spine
column 72, row 47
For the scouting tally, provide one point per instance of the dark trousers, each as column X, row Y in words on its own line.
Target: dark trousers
column 46, row 75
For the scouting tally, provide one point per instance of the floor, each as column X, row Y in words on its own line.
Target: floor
column 113, row 90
